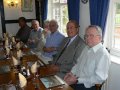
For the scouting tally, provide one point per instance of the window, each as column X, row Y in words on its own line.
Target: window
column 113, row 27
column 57, row 9
column 116, row 39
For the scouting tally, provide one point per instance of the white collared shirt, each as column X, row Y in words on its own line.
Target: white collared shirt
column 71, row 40
column 92, row 66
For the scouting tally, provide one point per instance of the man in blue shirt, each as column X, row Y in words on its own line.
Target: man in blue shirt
column 53, row 40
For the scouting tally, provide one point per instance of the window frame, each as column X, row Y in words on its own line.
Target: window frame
column 109, row 36
column 57, row 5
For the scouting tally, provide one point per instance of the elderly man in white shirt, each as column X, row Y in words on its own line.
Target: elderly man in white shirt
column 92, row 65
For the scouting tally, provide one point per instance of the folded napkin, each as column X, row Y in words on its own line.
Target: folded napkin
column 15, row 61
column 18, row 45
column 19, row 53
column 6, row 42
column 5, row 35
column 13, row 39
column 7, row 51
column 22, row 80
column 34, row 68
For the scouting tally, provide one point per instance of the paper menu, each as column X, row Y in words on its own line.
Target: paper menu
column 52, row 81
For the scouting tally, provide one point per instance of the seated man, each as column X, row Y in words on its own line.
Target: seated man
column 92, row 65
column 46, row 30
column 24, row 31
column 69, row 51
column 53, row 40
column 35, row 36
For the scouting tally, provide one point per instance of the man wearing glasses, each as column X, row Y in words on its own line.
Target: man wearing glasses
column 93, row 64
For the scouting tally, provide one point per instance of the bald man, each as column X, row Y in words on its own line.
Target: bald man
column 53, row 40
column 35, row 35
column 92, row 65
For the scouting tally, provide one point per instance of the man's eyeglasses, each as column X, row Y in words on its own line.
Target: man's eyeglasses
column 91, row 36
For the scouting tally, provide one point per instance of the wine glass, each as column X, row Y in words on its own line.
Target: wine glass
column 7, row 56
column 35, row 83
column 17, row 68
column 22, row 88
column 34, row 73
column 34, row 77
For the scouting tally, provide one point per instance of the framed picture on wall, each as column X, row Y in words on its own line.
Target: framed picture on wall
column 27, row 5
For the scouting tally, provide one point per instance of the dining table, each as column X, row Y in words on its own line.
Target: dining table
column 10, row 78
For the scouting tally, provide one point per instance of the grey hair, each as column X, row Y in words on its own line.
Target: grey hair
column 98, row 29
column 54, row 21
column 35, row 21
column 46, row 22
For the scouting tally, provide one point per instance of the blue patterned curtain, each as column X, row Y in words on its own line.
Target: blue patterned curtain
column 74, row 9
column 98, row 13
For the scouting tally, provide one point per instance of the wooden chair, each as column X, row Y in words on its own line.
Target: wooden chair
column 98, row 86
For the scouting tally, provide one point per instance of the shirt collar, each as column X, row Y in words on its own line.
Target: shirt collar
column 54, row 32
column 73, row 38
column 38, row 29
column 96, row 47
column 41, row 29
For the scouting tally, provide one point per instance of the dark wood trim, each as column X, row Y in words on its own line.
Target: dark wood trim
column 4, row 22
column 16, row 21
column 2, row 16
column 37, row 9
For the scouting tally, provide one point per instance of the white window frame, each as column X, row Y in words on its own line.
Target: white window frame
column 51, row 14
column 109, row 34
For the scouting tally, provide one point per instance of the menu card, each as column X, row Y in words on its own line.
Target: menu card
column 52, row 81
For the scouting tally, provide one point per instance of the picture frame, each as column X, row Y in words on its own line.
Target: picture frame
column 27, row 5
